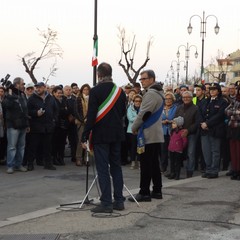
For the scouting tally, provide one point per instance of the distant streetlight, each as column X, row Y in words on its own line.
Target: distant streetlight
column 187, row 55
column 203, row 33
column 170, row 77
column 178, row 67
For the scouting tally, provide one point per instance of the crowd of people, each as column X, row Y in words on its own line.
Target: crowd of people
column 38, row 121
column 154, row 128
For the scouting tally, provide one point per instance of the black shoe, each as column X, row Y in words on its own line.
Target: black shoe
column 213, row 175
column 140, row 198
column 172, row 176
column 229, row 173
column 55, row 161
column 61, row 161
column 156, row 195
column 205, row 175
column 102, row 209
column 177, row 178
column 189, row 174
column 167, row 174
column 40, row 163
column 234, row 177
column 30, row 167
column 118, row 206
column 50, row 167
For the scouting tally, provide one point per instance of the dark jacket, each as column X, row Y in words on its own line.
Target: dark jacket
column 189, row 113
column 110, row 128
column 63, row 113
column 212, row 112
column 71, row 102
column 15, row 110
column 46, row 122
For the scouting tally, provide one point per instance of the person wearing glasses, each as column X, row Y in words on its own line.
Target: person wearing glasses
column 132, row 112
column 167, row 117
column 148, row 127
column 189, row 112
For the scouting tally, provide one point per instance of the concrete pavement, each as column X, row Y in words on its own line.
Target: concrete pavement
column 194, row 208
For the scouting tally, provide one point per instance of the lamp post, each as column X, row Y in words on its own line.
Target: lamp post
column 178, row 67
column 187, row 55
column 170, row 77
column 203, row 33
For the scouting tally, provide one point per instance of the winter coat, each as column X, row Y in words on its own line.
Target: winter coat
column 110, row 128
column 177, row 143
column 131, row 116
column 170, row 116
column 189, row 113
column 213, row 113
column 151, row 102
column 16, row 111
column 46, row 122
column 233, row 114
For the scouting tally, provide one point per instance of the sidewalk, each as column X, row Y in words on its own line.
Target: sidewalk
column 194, row 208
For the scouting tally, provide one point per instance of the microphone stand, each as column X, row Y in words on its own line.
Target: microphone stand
column 85, row 200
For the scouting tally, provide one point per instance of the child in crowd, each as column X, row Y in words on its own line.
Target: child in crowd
column 176, row 146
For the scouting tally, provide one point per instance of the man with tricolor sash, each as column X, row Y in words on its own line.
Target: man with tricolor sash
column 106, row 109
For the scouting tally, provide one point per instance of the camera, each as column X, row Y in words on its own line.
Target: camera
column 6, row 83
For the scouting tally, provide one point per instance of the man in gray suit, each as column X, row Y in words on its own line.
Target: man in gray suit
column 148, row 126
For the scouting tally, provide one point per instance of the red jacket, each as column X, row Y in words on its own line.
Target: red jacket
column 177, row 142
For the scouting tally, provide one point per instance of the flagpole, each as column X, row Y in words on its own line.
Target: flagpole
column 95, row 38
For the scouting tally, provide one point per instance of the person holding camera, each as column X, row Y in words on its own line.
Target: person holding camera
column 16, row 115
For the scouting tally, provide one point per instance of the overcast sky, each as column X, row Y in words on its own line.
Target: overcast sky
column 165, row 21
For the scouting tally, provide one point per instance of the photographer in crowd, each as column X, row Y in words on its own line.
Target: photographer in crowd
column 15, row 107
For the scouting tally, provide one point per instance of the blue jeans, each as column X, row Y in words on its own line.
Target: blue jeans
column 15, row 147
column 191, row 149
column 211, row 153
column 109, row 156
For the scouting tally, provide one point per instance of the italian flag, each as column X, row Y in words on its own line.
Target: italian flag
column 95, row 54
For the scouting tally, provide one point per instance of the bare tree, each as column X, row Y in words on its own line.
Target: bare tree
column 52, row 73
column 219, row 67
column 128, row 50
column 50, row 50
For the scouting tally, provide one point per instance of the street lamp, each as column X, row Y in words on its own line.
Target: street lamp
column 178, row 67
column 170, row 77
column 203, row 32
column 187, row 55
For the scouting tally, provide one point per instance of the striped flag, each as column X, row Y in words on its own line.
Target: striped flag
column 95, row 54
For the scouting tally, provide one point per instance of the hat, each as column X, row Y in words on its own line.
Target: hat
column 179, row 121
column 128, row 86
column 183, row 86
column 237, row 83
column 29, row 85
column 202, row 86
column 40, row 84
column 215, row 86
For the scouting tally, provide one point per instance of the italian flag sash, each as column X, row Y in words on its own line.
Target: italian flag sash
column 109, row 102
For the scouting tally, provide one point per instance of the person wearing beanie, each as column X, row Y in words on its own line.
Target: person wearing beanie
column 212, row 127
column 176, row 146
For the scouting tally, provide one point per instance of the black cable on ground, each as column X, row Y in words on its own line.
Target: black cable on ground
column 114, row 215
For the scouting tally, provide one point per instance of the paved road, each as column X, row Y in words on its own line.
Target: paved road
column 193, row 208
